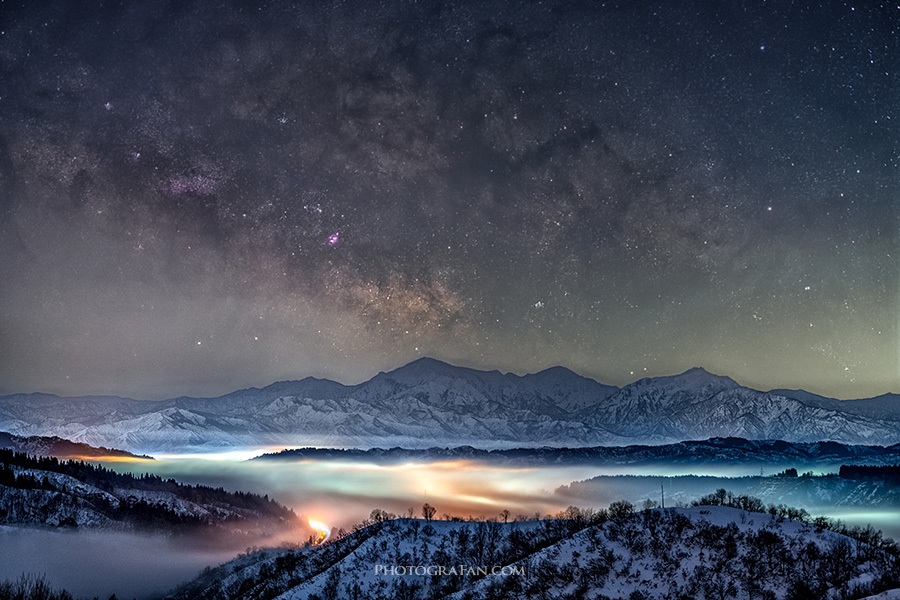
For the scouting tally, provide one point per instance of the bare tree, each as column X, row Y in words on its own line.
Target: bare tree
column 428, row 511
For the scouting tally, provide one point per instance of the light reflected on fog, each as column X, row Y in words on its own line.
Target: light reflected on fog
column 330, row 494
column 344, row 492
column 107, row 459
column 239, row 454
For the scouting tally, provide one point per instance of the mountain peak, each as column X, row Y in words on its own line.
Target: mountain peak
column 427, row 362
column 308, row 386
column 427, row 367
column 701, row 377
column 558, row 371
column 701, row 374
column 696, row 378
column 560, row 374
column 696, row 371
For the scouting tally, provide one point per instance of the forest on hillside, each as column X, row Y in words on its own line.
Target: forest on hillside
column 46, row 491
column 721, row 548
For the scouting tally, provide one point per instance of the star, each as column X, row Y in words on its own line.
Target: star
column 589, row 200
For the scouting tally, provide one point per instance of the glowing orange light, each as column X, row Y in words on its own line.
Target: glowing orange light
column 322, row 531
column 124, row 459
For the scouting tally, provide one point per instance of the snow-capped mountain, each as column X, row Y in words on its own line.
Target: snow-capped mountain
column 428, row 403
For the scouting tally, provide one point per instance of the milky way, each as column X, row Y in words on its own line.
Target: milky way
column 202, row 196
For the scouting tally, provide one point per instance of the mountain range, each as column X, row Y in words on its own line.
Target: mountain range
column 430, row 403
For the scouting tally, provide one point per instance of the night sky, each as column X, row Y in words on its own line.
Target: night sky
column 201, row 196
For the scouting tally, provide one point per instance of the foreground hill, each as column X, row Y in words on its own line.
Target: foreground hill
column 701, row 552
column 428, row 403
column 60, row 448
column 47, row 492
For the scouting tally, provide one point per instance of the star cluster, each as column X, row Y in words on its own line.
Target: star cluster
column 201, row 196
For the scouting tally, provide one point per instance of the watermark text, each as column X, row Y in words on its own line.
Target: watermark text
column 445, row 570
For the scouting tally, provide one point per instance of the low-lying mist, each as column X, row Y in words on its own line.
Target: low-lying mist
column 99, row 563
column 341, row 493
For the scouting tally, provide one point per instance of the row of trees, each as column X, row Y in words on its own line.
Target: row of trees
column 112, row 482
column 888, row 474
column 31, row 587
column 866, row 537
column 24, row 481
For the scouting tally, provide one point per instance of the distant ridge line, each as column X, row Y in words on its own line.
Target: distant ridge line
column 689, row 451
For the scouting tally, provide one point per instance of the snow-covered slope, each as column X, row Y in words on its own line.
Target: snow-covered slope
column 888, row 595
column 46, row 492
column 698, row 405
column 702, row 552
column 58, row 447
column 428, row 403
column 886, row 406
